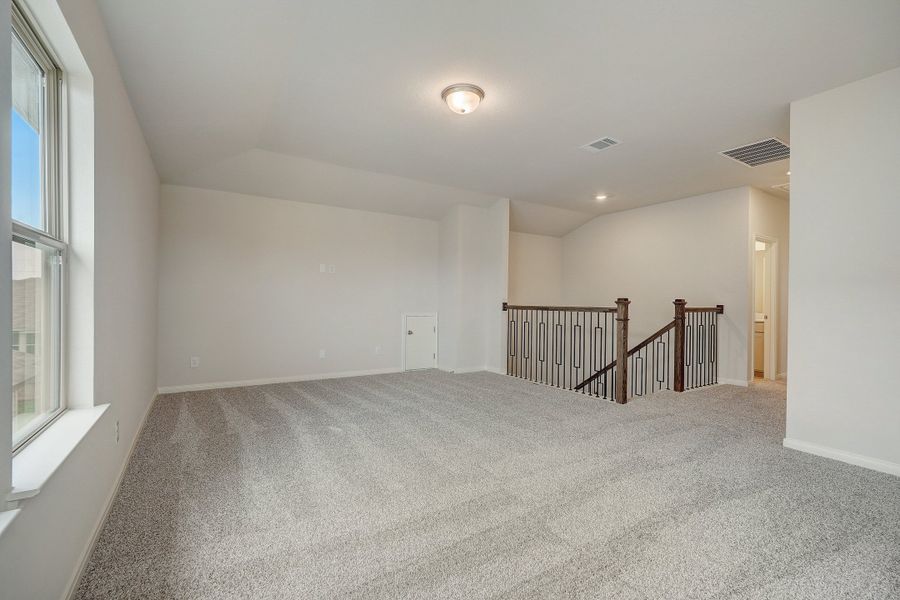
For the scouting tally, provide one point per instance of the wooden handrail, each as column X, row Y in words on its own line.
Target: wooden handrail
column 718, row 309
column 595, row 375
column 604, row 309
column 647, row 342
column 638, row 348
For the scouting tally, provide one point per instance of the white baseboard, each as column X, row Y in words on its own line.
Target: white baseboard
column 739, row 382
column 98, row 526
column 781, row 377
column 218, row 385
column 876, row 464
column 463, row 370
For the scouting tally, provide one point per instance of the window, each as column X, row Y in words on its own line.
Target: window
column 38, row 241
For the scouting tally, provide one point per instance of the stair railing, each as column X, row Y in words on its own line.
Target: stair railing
column 659, row 362
column 698, row 330
column 562, row 345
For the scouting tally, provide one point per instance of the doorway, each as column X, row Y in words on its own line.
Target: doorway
column 765, row 302
column 419, row 341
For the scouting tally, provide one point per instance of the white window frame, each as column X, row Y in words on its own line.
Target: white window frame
column 53, row 232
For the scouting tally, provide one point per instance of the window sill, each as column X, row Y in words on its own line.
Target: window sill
column 6, row 517
column 39, row 460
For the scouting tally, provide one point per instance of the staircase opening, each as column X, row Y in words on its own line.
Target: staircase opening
column 587, row 349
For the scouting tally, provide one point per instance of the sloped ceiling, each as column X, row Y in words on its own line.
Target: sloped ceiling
column 258, row 97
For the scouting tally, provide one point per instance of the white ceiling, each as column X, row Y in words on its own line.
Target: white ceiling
column 252, row 96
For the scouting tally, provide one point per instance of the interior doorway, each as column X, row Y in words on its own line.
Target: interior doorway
column 419, row 341
column 765, row 305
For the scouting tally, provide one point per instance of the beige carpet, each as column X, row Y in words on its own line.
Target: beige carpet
column 430, row 485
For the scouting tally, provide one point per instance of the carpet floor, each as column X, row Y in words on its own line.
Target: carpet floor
column 431, row 485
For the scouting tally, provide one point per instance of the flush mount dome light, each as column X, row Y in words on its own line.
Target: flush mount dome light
column 462, row 98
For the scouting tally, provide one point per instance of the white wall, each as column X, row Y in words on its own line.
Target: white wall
column 473, row 277
column 695, row 248
column 449, row 289
column 496, row 285
column 473, row 248
column 241, row 288
column 535, row 269
column 55, row 527
column 843, row 398
column 769, row 216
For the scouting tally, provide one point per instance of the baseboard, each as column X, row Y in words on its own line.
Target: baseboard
column 463, row 370
column 218, row 385
column 98, row 526
column 738, row 382
column 876, row 464
column 781, row 377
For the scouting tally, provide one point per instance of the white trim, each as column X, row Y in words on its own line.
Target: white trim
column 464, row 370
column 36, row 463
column 218, row 385
column 7, row 517
column 876, row 464
column 98, row 526
column 781, row 377
column 404, row 329
column 739, row 382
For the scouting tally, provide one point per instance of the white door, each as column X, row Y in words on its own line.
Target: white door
column 421, row 335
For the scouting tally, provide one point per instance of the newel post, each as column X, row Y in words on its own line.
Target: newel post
column 678, row 357
column 622, row 350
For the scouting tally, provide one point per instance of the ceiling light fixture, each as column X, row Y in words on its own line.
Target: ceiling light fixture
column 462, row 98
column 600, row 197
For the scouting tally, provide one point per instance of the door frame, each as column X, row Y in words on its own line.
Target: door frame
column 770, row 332
column 403, row 336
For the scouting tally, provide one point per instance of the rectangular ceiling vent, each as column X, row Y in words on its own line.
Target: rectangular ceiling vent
column 601, row 144
column 759, row 153
column 784, row 187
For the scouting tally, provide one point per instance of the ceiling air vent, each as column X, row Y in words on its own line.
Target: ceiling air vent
column 784, row 187
column 601, row 144
column 759, row 153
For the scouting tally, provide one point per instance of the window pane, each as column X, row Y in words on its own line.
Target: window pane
column 27, row 125
column 35, row 336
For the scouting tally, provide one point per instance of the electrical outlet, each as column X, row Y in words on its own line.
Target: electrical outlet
column 321, row 354
column 117, row 431
column 195, row 362
column 377, row 349
column 331, row 269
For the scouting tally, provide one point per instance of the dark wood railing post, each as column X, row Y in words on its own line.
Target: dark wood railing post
column 622, row 350
column 678, row 357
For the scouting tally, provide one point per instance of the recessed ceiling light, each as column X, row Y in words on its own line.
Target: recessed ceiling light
column 462, row 98
column 601, row 197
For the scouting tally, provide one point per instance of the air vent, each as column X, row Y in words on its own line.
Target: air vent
column 601, row 144
column 759, row 153
column 784, row 187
